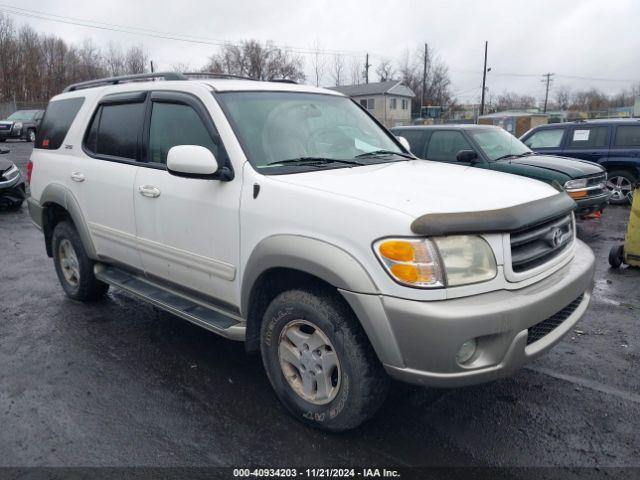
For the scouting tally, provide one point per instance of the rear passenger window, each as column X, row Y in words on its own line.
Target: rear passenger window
column 57, row 119
column 547, row 138
column 445, row 145
column 589, row 137
column 176, row 124
column 114, row 130
column 628, row 136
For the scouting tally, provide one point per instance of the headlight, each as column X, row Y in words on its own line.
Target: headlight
column 17, row 125
column 437, row 262
column 575, row 184
column 11, row 173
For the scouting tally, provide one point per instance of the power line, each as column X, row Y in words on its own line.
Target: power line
column 131, row 30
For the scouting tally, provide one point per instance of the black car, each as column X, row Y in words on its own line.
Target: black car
column 493, row 148
column 22, row 124
column 12, row 187
column 613, row 143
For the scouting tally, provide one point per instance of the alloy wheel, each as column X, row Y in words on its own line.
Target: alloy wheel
column 620, row 188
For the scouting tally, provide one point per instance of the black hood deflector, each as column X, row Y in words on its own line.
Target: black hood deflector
column 502, row 220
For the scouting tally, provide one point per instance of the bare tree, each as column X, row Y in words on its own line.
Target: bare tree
column 385, row 70
column 338, row 70
column 136, row 60
column 114, row 60
column 511, row 100
column 318, row 63
column 562, row 97
column 254, row 60
column 356, row 71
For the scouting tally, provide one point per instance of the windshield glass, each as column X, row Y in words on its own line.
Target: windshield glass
column 498, row 143
column 278, row 126
column 22, row 115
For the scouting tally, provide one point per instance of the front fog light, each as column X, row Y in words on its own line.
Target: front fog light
column 466, row 351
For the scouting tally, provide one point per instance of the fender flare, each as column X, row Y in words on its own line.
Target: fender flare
column 315, row 257
column 58, row 194
column 622, row 162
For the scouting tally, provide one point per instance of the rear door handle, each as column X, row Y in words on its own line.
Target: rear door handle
column 77, row 176
column 149, row 191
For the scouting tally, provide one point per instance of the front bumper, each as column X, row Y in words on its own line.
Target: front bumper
column 592, row 204
column 422, row 338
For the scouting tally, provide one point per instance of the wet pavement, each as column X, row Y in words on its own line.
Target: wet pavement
column 120, row 383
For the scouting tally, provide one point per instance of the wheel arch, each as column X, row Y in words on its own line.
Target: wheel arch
column 622, row 164
column 280, row 262
column 58, row 204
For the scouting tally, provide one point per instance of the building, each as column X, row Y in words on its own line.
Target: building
column 389, row 102
column 516, row 123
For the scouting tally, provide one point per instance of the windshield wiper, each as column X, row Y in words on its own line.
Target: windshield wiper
column 514, row 155
column 381, row 153
column 306, row 161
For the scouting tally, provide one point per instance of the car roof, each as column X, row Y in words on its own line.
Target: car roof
column 447, row 126
column 596, row 121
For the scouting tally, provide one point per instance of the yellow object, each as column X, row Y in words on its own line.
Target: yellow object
column 632, row 239
column 405, row 273
column 398, row 250
column 578, row 194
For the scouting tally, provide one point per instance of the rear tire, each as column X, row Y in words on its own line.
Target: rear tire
column 616, row 256
column 620, row 184
column 335, row 380
column 73, row 266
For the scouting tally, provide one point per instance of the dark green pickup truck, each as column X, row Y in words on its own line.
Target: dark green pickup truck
column 490, row 147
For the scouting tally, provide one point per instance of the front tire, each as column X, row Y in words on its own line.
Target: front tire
column 73, row 266
column 31, row 135
column 616, row 256
column 319, row 360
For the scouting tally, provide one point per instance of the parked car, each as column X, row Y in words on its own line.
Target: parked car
column 493, row 148
column 12, row 187
column 22, row 124
column 287, row 217
column 613, row 143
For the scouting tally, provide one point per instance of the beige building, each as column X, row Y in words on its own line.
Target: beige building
column 389, row 102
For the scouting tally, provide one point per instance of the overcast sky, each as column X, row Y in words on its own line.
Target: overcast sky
column 588, row 38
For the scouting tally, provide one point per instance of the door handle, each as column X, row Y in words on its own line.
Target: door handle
column 149, row 191
column 77, row 177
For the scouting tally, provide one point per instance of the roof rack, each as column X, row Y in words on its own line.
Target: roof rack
column 123, row 79
column 163, row 75
column 217, row 75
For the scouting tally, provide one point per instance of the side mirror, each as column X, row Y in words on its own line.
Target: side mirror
column 467, row 156
column 404, row 142
column 191, row 161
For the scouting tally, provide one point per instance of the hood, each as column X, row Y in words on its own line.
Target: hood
column 417, row 187
column 571, row 167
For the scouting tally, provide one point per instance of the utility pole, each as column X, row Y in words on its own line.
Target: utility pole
column 424, row 77
column 484, row 77
column 548, row 81
column 151, row 66
column 366, row 69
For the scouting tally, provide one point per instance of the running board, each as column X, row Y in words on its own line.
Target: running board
column 195, row 311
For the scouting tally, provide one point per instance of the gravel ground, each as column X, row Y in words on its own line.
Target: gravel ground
column 120, row 383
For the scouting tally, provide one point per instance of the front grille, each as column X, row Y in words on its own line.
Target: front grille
column 542, row 329
column 534, row 246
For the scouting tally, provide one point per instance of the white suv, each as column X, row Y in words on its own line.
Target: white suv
column 287, row 217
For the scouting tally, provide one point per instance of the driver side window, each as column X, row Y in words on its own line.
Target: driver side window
column 176, row 124
column 445, row 145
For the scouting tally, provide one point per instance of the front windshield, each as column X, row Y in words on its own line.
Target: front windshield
column 22, row 115
column 498, row 143
column 279, row 126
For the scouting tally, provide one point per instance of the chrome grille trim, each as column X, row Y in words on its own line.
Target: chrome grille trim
column 539, row 244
